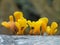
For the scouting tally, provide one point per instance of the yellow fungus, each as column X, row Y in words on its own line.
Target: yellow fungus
column 11, row 18
column 54, row 25
column 21, row 25
column 44, row 21
column 35, row 27
column 53, row 29
column 18, row 15
column 48, row 30
column 5, row 24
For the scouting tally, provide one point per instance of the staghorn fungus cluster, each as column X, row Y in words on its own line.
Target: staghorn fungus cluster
column 21, row 26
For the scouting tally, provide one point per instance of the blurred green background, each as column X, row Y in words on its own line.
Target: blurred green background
column 32, row 10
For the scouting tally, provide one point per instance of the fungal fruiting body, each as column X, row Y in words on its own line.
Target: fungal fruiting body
column 18, row 15
column 34, row 27
column 51, row 30
column 20, row 24
column 10, row 24
column 44, row 23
